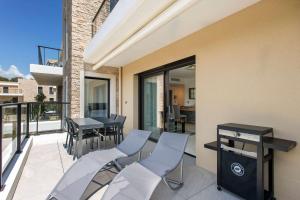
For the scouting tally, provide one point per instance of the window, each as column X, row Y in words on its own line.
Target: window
column 51, row 99
column 5, row 89
column 40, row 90
column 51, row 90
column 97, row 102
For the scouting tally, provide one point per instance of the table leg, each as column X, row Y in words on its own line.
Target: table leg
column 79, row 150
column 183, row 126
column 118, row 135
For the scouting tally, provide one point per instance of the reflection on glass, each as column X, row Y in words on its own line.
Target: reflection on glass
column 154, row 105
column 96, row 97
column 23, row 121
column 9, row 134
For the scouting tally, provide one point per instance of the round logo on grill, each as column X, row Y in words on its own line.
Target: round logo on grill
column 237, row 169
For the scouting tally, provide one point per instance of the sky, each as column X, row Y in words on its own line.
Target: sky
column 24, row 24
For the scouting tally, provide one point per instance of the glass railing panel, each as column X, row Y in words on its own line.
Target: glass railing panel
column 23, row 121
column 9, row 133
column 45, row 117
column 50, row 56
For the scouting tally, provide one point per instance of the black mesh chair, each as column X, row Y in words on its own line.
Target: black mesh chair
column 108, row 129
column 112, row 116
column 121, row 119
column 113, row 131
column 67, row 119
column 174, row 116
column 85, row 135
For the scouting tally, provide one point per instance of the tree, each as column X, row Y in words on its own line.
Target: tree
column 40, row 97
column 40, row 107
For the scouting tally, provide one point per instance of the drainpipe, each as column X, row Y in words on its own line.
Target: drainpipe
column 120, row 90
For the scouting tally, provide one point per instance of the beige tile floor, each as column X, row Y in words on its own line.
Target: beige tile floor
column 48, row 160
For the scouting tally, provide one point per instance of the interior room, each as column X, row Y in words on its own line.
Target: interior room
column 168, row 102
column 182, row 103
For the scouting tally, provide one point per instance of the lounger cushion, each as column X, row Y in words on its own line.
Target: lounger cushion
column 167, row 153
column 75, row 181
column 132, row 144
column 135, row 182
column 77, row 178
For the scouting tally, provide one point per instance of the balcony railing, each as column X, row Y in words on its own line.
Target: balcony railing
column 104, row 10
column 19, row 120
column 50, row 56
column 10, row 91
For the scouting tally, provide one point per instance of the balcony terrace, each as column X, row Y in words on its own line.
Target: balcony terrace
column 30, row 160
column 49, row 69
column 48, row 160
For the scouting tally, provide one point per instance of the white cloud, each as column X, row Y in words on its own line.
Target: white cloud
column 28, row 76
column 13, row 72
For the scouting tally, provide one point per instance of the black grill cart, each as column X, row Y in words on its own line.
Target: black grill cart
column 245, row 159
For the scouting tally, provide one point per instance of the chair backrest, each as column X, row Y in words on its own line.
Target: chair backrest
column 134, row 142
column 121, row 119
column 113, row 116
column 176, row 109
column 171, row 115
column 73, row 127
column 169, row 151
column 68, row 124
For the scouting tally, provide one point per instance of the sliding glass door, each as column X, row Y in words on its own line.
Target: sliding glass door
column 167, row 100
column 153, row 104
column 96, row 97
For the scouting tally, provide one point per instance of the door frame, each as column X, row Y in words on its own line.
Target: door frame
column 108, row 91
column 112, row 89
column 164, row 69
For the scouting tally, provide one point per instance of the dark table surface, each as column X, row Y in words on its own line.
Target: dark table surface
column 87, row 123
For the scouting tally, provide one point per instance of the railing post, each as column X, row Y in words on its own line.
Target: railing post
column 27, row 119
column 62, row 116
column 37, row 119
column 19, row 121
column 1, row 124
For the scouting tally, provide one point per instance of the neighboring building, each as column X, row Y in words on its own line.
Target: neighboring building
column 48, row 72
column 10, row 92
column 31, row 88
column 25, row 90
column 235, row 62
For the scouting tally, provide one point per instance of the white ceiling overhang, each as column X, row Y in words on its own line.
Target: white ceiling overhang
column 177, row 20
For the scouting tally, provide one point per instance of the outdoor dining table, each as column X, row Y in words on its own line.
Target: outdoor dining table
column 96, row 123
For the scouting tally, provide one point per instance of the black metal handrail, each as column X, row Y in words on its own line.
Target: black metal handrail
column 109, row 5
column 17, row 116
column 49, row 56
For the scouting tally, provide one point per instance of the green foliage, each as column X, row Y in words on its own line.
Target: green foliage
column 3, row 79
column 39, row 109
column 40, row 97
column 10, row 80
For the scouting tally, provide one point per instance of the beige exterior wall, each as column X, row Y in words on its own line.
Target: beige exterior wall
column 78, row 16
column 247, row 71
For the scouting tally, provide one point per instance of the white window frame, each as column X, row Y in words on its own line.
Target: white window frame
column 113, row 89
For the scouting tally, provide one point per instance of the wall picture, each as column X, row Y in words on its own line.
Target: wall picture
column 191, row 93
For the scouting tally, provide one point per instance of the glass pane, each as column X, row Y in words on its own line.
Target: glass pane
column 181, row 105
column 9, row 136
column 23, row 121
column 96, row 97
column 154, row 105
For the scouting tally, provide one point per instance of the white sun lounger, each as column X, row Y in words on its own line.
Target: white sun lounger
column 75, row 181
column 139, row 180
